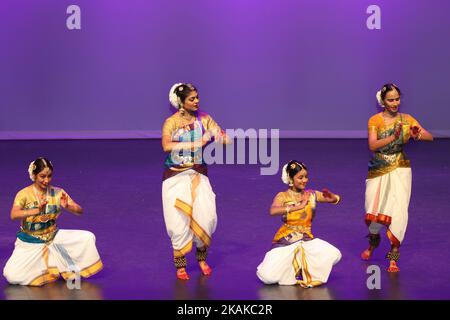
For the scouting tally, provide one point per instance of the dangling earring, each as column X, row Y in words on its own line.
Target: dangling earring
column 291, row 183
column 180, row 104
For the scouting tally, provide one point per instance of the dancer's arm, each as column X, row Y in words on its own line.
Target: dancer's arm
column 222, row 137
column 418, row 133
column 19, row 213
column 327, row 197
column 217, row 132
column 169, row 145
column 70, row 205
column 278, row 208
column 375, row 143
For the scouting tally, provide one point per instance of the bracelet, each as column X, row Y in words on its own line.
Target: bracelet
column 419, row 136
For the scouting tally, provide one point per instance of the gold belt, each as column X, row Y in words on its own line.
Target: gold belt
column 298, row 228
column 390, row 158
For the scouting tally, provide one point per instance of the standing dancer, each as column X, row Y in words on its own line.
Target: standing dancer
column 296, row 256
column 388, row 185
column 42, row 252
column 188, row 200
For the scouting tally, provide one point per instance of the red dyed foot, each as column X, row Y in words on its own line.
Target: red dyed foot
column 206, row 270
column 182, row 274
column 366, row 254
column 393, row 267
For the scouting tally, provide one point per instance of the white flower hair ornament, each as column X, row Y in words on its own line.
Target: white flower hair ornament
column 379, row 99
column 284, row 175
column 31, row 168
column 173, row 98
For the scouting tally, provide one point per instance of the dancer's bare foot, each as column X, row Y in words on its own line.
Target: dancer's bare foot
column 182, row 274
column 393, row 267
column 206, row 270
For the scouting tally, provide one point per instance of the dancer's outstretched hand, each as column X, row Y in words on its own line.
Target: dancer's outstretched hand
column 329, row 195
column 42, row 204
column 64, row 200
column 415, row 131
column 224, row 138
column 300, row 205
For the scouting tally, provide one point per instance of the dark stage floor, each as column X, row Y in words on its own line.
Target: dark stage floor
column 119, row 185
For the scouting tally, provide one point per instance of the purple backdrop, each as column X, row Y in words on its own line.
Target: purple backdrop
column 309, row 68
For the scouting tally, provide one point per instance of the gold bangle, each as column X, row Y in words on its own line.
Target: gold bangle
column 419, row 136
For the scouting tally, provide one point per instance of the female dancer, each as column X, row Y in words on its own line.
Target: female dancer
column 42, row 252
column 296, row 256
column 188, row 199
column 388, row 185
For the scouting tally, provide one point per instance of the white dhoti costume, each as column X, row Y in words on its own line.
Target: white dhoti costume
column 386, row 203
column 70, row 253
column 314, row 259
column 189, row 205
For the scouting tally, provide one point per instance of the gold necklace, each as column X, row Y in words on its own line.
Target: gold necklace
column 38, row 198
column 186, row 121
column 296, row 194
column 385, row 118
column 384, row 115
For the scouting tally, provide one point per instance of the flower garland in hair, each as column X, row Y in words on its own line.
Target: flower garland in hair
column 173, row 97
column 380, row 101
column 284, row 175
column 378, row 95
column 31, row 168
